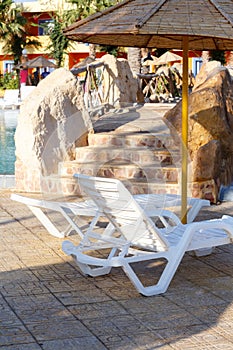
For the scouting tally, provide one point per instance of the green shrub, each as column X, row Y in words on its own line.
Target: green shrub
column 9, row 81
column 217, row 55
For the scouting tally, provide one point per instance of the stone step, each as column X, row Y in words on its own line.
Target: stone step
column 149, row 172
column 133, row 155
column 131, row 140
column 152, row 186
column 54, row 185
column 121, row 170
column 68, row 186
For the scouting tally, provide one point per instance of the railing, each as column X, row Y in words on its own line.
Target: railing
column 92, row 84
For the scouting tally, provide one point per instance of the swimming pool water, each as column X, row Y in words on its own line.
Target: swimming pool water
column 8, row 123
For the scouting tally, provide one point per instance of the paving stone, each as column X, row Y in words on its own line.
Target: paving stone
column 97, row 310
column 156, row 303
column 59, row 286
column 142, row 341
column 227, row 313
column 168, row 319
column 194, row 296
column 11, row 265
column 29, row 346
column 117, row 286
column 206, row 314
column 224, row 329
column 44, row 314
column 149, row 340
column 210, row 336
column 16, row 275
column 33, row 301
column 121, row 324
column 8, row 317
column 18, row 288
column 46, row 303
column 90, row 295
column 222, row 287
column 58, row 279
column 84, row 343
column 118, row 341
column 58, row 329
column 14, row 334
column 174, row 335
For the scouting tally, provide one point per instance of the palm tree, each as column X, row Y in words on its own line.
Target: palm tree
column 13, row 30
column 134, row 59
column 59, row 42
column 218, row 55
column 230, row 59
column 80, row 9
column 83, row 9
column 205, row 56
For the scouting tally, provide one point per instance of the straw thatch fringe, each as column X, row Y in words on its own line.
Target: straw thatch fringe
column 160, row 24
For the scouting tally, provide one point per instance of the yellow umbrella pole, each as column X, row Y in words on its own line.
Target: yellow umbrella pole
column 184, row 173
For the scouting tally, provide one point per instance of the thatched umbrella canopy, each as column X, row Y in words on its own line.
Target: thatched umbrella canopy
column 159, row 24
column 40, row 62
column 84, row 62
column 171, row 24
column 168, row 57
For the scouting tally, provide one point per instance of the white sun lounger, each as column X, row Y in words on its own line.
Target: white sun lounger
column 10, row 99
column 137, row 239
column 71, row 211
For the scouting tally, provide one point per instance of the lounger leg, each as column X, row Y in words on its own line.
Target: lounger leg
column 46, row 222
column 52, row 229
column 96, row 271
column 203, row 252
column 75, row 226
column 70, row 249
column 165, row 279
column 93, row 272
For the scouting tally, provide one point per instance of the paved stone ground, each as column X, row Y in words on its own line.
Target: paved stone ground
column 146, row 118
column 45, row 303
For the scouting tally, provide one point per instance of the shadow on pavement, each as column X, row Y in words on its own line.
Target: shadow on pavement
column 47, row 304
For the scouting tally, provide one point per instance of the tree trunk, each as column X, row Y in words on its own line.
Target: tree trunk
column 230, row 59
column 205, row 56
column 134, row 59
column 92, row 51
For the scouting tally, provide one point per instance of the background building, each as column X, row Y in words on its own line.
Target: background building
column 39, row 13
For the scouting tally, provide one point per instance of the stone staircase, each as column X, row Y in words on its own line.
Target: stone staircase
column 143, row 161
column 137, row 150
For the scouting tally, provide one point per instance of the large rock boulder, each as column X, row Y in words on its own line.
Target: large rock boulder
column 210, row 130
column 119, row 86
column 207, row 70
column 51, row 124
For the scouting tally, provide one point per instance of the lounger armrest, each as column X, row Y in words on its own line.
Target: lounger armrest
column 225, row 223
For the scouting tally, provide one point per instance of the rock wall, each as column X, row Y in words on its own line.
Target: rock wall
column 53, row 121
column 210, row 130
column 51, row 124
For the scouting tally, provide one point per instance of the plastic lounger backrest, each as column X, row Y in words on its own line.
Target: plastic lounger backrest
column 121, row 209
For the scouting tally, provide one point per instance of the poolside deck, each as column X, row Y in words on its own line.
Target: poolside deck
column 47, row 304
